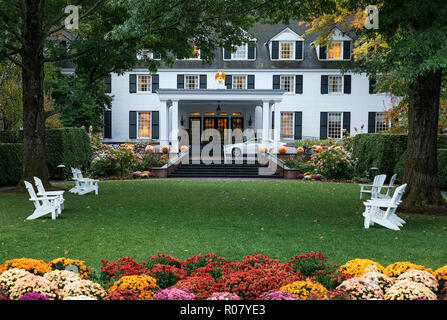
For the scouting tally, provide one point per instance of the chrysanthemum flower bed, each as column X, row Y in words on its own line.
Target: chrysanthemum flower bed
column 308, row 276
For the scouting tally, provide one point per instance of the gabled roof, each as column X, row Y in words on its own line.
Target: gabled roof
column 286, row 34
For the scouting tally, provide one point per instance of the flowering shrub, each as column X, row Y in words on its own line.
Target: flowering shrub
column 358, row 267
column 361, row 289
column 163, row 259
column 33, row 296
column 333, row 162
column 61, row 278
column 257, row 261
column 420, row 276
column 167, row 275
column 441, row 275
column 277, row 295
column 123, row 294
column 112, row 162
column 302, row 289
column 329, row 295
column 383, row 281
column 397, row 268
column 71, row 265
column 3, row 296
column 409, row 290
column 125, row 266
column 9, row 278
column 224, row 296
column 308, row 263
column 250, row 283
column 33, row 283
column 174, row 294
column 202, row 285
column 300, row 176
column 201, row 260
column 38, row 267
column 329, row 278
column 84, row 288
column 142, row 283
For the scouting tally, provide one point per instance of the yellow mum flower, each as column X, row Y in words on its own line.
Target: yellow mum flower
column 397, row 268
column 302, row 289
column 144, row 284
column 358, row 267
column 38, row 267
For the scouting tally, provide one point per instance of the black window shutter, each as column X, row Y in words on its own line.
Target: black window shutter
column 132, row 83
column 298, row 125
column 275, row 50
column 372, row 85
column 251, row 81
column 323, row 125
column 323, row 52
column 251, row 52
column 273, row 120
column 347, row 121
column 155, row 125
column 347, row 84
column 132, row 124
column 371, row 122
column 155, row 83
column 108, row 124
column 203, row 81
column 276, row 82
column 299, row 50
column 180, row 81
column 227, row 54
column 299, row 84
column 347, row 50
column 229, row 81
column 324, row 84
column 108, row 82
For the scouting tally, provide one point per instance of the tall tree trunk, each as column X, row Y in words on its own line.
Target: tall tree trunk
column 421, row 166
column 34, row 153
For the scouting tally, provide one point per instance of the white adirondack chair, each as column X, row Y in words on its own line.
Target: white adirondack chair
column 41, row 192
column 83, row 185
column 387, row 218
column 388, row 187
column 43, row 205
column 376, row 187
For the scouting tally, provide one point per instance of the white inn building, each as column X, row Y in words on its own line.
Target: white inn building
column 282, row 87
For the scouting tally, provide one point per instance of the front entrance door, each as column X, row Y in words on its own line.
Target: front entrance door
column 192, row 120
column 218, row 123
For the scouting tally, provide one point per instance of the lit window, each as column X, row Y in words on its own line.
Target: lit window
column 334, row 125
column 144, row 83
column 287, row 83
column 382, row 124
column 286, row 50
column 239, row 82
column 286, row 125
column 240, row 53
column 334, row 50
column 236, row 113
column 223, row 114
column 335, row 84
column 192, row 82
column 195, row 113
column 210, row 113
column 144, row 125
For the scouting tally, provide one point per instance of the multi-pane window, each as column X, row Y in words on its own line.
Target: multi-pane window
column 335, row 84
column 334, row 125
column 144, row 125
column 144, row 83
column 240, row 53
column 286, row 125
column 239, row 81
column 334, row 50
column 191, row 82
column 287, row 83
column 382, row 124
column 286, row 50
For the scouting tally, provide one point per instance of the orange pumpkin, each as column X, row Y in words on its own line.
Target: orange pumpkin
column 184, row 149
column 149, row 148
column 263, row 149
column 165, row 149
column 300, row 150
column 319, row 149
column 282, row 149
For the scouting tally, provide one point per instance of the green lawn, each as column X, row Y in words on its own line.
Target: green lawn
column 229, row 218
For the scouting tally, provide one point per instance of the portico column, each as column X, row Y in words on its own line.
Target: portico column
column 164, row 124
column 265, row 120
column 174, row 126
column 277, row 130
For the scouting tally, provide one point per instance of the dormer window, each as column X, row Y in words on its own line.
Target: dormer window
column 240, row 53
column 287, row 45
column 147, row 54
column 334, row 51
column 243, row 52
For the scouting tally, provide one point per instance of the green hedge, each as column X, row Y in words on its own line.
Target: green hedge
column 68, row 146
column 377, row 150
column 442, row 167
column 10, row 163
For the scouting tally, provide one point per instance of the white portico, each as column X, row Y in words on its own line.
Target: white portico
column 220, row 109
